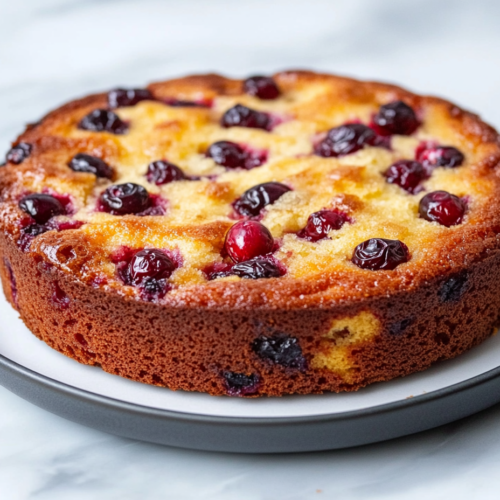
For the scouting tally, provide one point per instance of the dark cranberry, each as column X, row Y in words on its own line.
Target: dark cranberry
column 395, row 118
column 28, row 233
column 124, row 199
column 453, row 288
column 345, row 140
column 128, row 97
column 380, row 254
column 241, row 116
column 257, row 268
column 102, row 120
column 91, row 164
column 280, row 349
column 163, row 172
column 19, row 153
column 12, row 279
column 150, row 269
column 407, row 174
column 239, row 384
column 263, row 87
column 179, row 103
column 439, row 156
column 41, row 207
column 319, row 224
column 253, row 200
column 59, row 297
column 248, row 239
column 227, row 154
column 217, row 270
column 442, row 207
column 399, row 327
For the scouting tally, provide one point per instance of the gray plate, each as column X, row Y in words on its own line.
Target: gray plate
column 253, row 435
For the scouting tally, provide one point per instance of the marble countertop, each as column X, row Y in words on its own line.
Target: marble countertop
column 55, row 50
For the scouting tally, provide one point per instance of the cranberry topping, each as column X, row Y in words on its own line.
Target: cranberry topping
column 90, row 164
column 280, row 349
column 239, row 384
column 395, row 118
column 257, row 268
column 227, row 154
column 41, row 207
column 128, row 97
column 102, row 120
column 263, row 87
column 346, row 139
column 442, row 207
column 121, row 199
column 179, row 103
column 319, row 224
column 217, row 270
column 163, row 172
column 19, row 153
column 253, row 200
column 241, row 116
column 453, row 288
column 407, row 174
column 380, row 254
column 248, row 239
column 431, row 156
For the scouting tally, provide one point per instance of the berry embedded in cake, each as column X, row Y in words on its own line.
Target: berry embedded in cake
column 287, row 234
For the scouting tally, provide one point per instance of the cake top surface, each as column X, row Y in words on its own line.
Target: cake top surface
column 298, row 190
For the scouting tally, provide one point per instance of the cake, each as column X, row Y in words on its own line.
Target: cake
column 292, row 234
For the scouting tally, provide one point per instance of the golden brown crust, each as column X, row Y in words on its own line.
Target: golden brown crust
column 207, row 328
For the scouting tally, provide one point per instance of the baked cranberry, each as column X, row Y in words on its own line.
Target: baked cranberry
column 227, row 154
column 454, row 287
column 102, row 120
column 128, row 97
column 217, row 270
column 431, row 155
column 163, row 172
column 179, row 103
column 442, row 207
column 19, row 153
column 263, row 87
column 253, row 200
column 399, row 327
column 319, row 224
column 149, row 265
column 248, row 239
column 379, row 254
column 257, row 268
column 29, row 233
column 91, row 164
column 128, row 198
column 346, row 139
column 280, row 349
column 239, row 384
column 407, row 174
column 241, row 116
column 41, row 207
column 395, row 118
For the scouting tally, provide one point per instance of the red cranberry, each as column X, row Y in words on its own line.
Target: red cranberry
column 102, row 120
column 227, row 154
column 19, row 153
column 163, row 172
column 431, row 156
column 239, row 384
column 395, row 118
column 442, row 207
column 407, row 174
column 241, row 116
column 128, row 97
column 150, row 264
column 217, row 270
column 346, row 139
column 280, row 349
column 257, row 268
column 41, row 207
column 124, row 199
column 253, row 200
column 248, row 239
column 179, row 103
column 262, row 87
column 380, row 254
column 319, row 224
column 91, row 164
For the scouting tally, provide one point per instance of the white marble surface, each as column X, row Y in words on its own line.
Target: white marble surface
column 54, row 50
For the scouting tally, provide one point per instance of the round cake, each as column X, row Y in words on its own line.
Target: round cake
column 299, row 233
